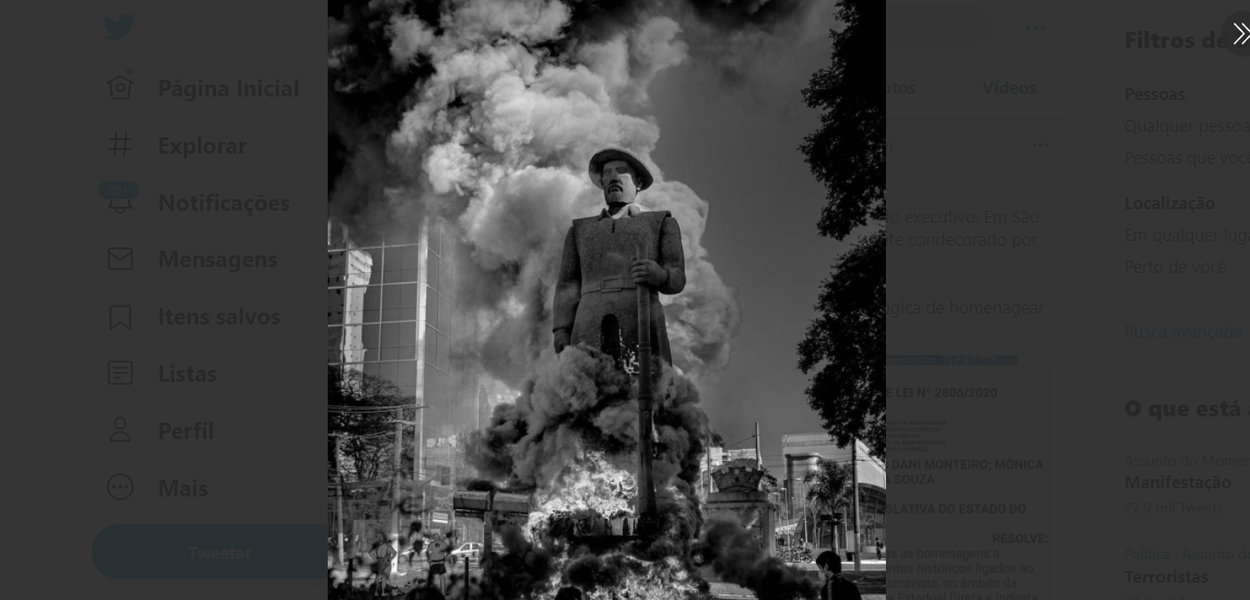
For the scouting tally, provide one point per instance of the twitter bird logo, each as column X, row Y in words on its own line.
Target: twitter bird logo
column 119, row 28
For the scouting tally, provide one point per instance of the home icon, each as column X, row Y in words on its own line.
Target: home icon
column 119, row 88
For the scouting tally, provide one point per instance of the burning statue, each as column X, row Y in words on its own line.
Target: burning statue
column 587, row 420
column 614, row 515
column 608, row 256
column 623, row 248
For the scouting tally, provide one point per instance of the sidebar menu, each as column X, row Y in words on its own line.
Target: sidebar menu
column 195, row 206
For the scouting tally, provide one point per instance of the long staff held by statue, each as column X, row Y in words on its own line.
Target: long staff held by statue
column 646, row 488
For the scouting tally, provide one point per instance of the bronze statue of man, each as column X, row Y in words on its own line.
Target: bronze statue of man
column 596, row 300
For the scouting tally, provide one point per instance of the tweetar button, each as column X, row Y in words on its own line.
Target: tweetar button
column 211, row 551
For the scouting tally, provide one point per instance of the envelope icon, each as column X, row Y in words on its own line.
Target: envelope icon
column 121, row 259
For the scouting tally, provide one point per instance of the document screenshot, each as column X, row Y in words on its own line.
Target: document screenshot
column 1067, row 305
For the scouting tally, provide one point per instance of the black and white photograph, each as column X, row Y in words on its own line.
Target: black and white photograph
column 606, row 300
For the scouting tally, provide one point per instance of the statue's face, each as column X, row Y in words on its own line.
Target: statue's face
column 618, row 183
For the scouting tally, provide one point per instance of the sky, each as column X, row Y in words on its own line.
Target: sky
column 738, row 149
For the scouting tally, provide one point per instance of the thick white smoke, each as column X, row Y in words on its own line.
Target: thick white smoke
column 497, row 142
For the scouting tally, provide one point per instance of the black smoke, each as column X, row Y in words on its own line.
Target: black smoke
column 736, row 557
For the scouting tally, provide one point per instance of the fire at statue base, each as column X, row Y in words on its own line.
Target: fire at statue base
column 570, row 443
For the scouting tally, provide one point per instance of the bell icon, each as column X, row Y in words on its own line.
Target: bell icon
column 120, row 205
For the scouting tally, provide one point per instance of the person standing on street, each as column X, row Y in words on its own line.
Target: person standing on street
column 437, row 555
column 834, row 586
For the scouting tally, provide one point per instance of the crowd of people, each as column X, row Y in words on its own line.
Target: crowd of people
column 371, row 568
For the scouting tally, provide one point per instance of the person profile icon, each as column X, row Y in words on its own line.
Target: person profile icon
column 120, row 435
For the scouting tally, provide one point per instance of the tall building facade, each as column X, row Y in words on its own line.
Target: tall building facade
column 350, row 270
column 803, row 451
column 391, row 314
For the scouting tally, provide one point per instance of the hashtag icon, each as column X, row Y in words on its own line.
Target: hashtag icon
column 120, row 144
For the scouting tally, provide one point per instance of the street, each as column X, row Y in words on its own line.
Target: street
column 407, row 576
column 873, row 582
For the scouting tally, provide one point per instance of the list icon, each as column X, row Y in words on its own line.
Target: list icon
column 121, row 372
column 119, row 316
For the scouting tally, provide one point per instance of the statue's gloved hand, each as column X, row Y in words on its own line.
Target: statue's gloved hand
column 562, row 339
column 645, row 270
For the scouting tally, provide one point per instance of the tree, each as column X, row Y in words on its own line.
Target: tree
column 829, row 488
column 362, row 422
column 847, row 152
column 848, row 337
column 845, row 344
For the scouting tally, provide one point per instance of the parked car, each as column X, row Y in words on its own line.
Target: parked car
column 471, row 549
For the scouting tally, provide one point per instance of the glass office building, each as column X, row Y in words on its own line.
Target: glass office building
column 391, row 314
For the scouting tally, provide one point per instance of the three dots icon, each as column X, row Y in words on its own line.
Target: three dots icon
column 120, row 486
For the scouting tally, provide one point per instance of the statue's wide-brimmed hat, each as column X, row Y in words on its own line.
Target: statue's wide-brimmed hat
column 604, row 157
